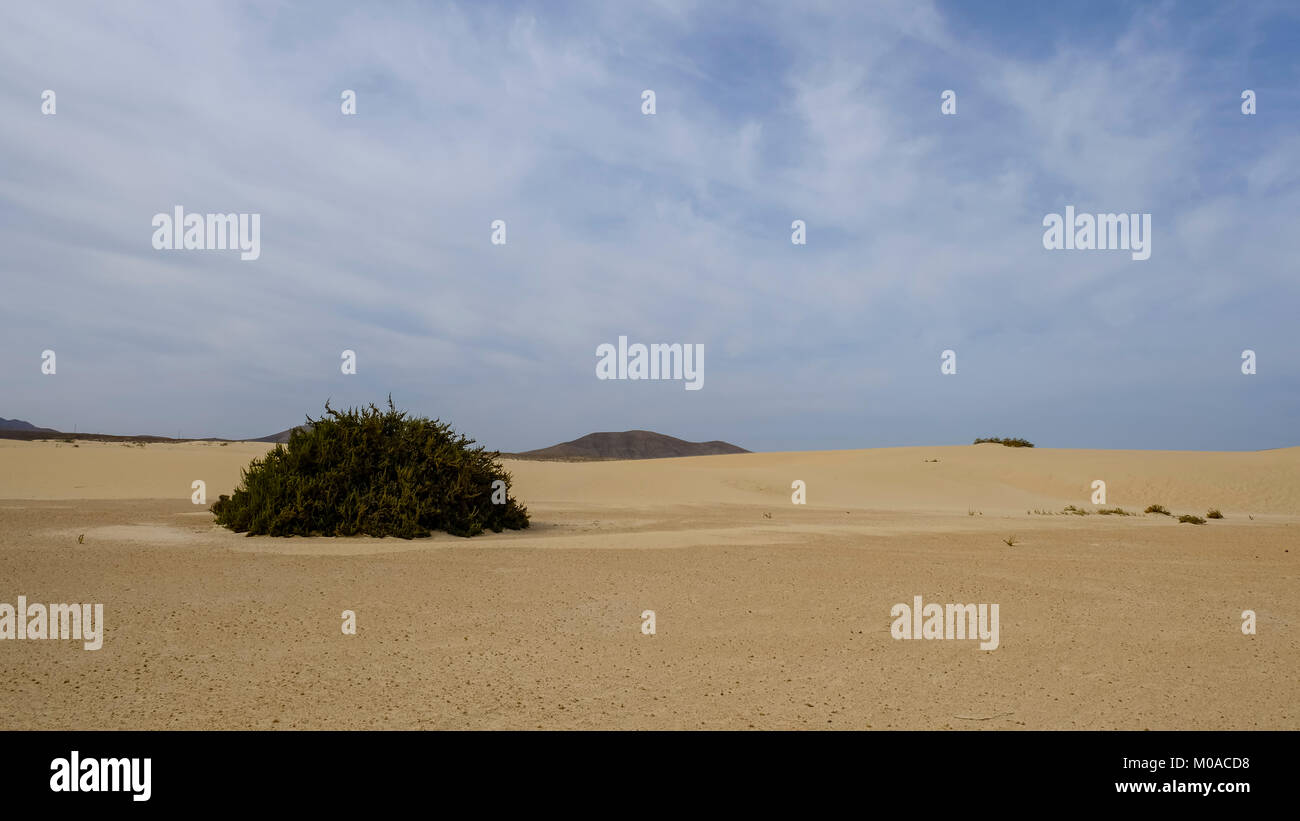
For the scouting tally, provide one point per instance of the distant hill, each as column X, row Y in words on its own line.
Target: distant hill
column 40, row 434
column 628, row 444
column 281, row 438
column 26, row 431
column 18, row 424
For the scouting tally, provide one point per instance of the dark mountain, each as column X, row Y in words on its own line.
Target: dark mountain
column 18, row 424
column 38, row 434
column 629, row 444
column 281, row 438
column 19, row 429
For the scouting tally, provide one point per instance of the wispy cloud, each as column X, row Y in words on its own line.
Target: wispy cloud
column 924, row 231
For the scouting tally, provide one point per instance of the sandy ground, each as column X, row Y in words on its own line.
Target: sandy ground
column 781, row 622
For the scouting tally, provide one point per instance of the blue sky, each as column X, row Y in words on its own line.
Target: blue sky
column 924, row 230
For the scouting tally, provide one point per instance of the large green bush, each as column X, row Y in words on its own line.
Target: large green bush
column 375, row 473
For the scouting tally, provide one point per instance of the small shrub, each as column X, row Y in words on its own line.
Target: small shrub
column 1188, row 518
column 1011, row 443
column 1011, row 541
column 1076, row 511
column 1214, row 514
column 1158, row 509
column 1116, row 511
column 374, row 473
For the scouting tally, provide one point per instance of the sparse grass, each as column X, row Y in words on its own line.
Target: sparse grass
column 1214, row 514
column 1114, row 511
column 1075, row 511
column 1011, row 443
column 1188, row 518
column 1161, row 509
column 223, row 444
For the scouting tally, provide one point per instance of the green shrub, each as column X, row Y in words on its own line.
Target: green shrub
column 1157, row 509
column 1188, row 518
column 1011, row 443
column 1214, row 514
column 374, row 473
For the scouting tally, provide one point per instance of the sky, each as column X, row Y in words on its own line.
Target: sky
column 924, row 231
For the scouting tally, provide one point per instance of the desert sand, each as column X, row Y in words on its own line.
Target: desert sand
column 768, row 614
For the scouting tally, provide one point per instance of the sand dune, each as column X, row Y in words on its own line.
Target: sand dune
column 986, row 477
column 769, row 614
column 117, row 470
